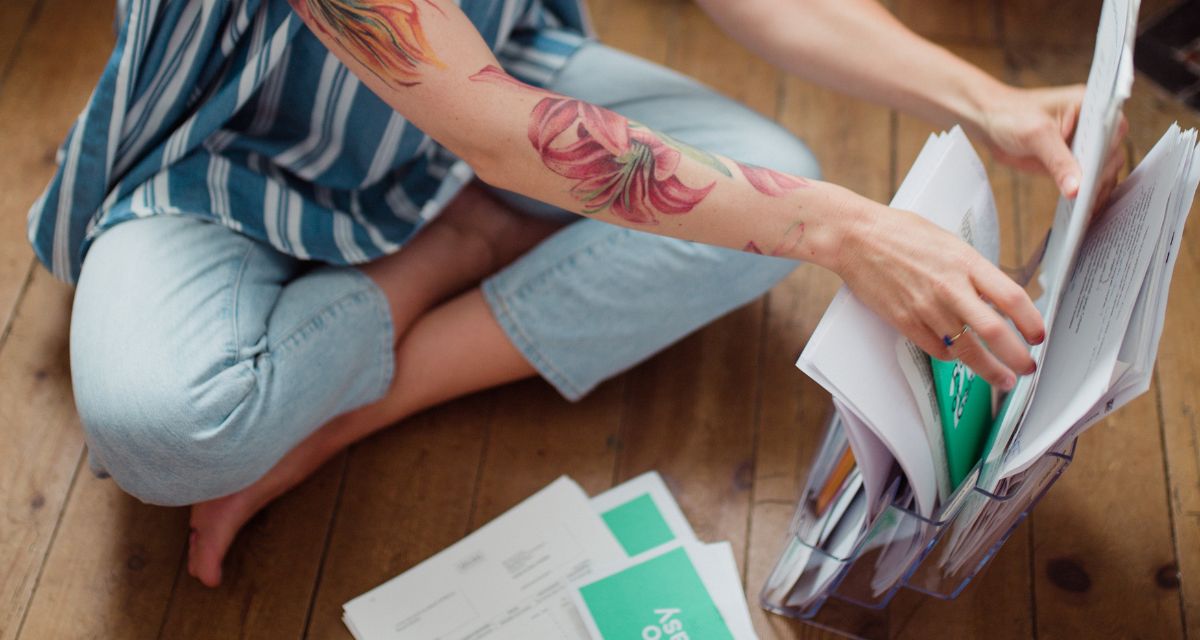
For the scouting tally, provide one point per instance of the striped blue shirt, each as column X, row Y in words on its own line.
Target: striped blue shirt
column 232, row 110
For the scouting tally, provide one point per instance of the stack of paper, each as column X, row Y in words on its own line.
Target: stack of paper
column 1105, row 337
column 1109, row 83
column 1105, row 277
column 625, row 564
column 853, row 352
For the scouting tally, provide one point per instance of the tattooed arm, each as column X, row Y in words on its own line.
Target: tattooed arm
column 426, row 60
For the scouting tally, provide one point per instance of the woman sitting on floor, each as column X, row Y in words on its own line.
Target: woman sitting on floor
column 280, row 246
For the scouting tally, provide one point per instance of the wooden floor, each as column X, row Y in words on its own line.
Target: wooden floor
column 723, row 416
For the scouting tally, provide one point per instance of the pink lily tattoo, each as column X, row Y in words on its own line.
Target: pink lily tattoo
column 621, row 165
column 498, row 76
column 617, row 165
column 770, row 182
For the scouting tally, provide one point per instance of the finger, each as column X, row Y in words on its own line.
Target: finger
column 1109, row 176
column 970, row 350
column 1011, row 301
column 1101, row 203
column 1108, row 180
column 1122, row 129
column 930, row 342
column 1116, row 149
column 1054, row 154
column 997, row 335
column 1070, row 117
column 1115, row 161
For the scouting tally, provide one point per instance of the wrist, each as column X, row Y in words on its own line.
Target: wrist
column 976, row 95
column 840, row 234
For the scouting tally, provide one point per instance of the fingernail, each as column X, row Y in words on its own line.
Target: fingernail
column 1071, row 184
column 1041, row 337
column 1032, row 369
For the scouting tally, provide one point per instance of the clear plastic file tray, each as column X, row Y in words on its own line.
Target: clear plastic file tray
column 846, row 589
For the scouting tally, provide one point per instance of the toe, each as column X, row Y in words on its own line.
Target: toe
column 204, row 562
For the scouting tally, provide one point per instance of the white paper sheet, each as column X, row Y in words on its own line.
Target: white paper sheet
column 509, row 580
column 874, row 460
column 1097, row 305
column 918, row 373
column 851, row 351
column 728, row 583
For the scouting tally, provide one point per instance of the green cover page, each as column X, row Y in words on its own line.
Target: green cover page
column 661, row 598
column 638, row 525
column 965, row 404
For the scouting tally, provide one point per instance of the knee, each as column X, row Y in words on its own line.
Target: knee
column 746, row 275
column 704, row 272
column 166, row 440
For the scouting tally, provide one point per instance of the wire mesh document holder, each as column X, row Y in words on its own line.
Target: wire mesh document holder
column 849, row 593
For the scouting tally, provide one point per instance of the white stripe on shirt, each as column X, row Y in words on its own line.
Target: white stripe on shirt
column 389, row 146
column 317, row 128
column 332, row 149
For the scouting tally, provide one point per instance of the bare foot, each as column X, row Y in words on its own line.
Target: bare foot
column 214, row 525
column 473, row 238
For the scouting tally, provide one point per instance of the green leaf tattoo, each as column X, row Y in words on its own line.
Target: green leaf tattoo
column 699, row 155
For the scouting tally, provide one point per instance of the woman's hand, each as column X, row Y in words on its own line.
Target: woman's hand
column 1031, row 129
column 929, row 284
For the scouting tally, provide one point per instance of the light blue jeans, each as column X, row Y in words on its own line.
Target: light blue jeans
column 200, row 357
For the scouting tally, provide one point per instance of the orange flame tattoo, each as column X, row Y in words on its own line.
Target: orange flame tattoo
column 385, row 37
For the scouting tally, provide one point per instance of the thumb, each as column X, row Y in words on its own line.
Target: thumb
column 1056, row 157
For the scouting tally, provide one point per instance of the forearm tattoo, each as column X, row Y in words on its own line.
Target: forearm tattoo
column 616, row 164
column 623, row 167
column 788, row 243
column 770, row 182
column 384, row 36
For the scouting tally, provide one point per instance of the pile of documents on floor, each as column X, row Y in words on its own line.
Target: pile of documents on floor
column 920, row 434
column 624, row 564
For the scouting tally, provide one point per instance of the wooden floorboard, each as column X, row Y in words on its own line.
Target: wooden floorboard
column 724, row 415
column 1178, row 370
column 1066, row 26
column 641, row 27
column 41, row 447
column 535, row 436
column 1050, row 23
column 15, row 18
column 40, row 95
column 407, row 494
column 963, row 22
column 112, row 566
column 702, row 51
